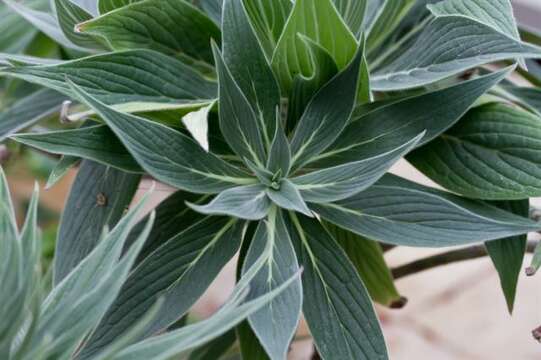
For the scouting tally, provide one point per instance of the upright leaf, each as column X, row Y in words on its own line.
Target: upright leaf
column 400, row 212
column 69, row 15
column 389, row 16
column 353, row 12
column 336, row 304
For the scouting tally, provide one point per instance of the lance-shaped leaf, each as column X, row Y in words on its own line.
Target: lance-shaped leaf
column 352, row 12
column 326, row 115
column 336, row 305
column 61, row 168
column 170, row 26
column 70, row 14
column 123, row 77
column 319, row 22
column 448, row 46
column 383, row 128
column 398, row 211
column 268, row 19
column 29, row 110
column 245, row 59
column 280, row 152
column 367, row 257
column 342, row 181
column 98, row 198
column 276, row 323
column 492, row 153
column 245, row 202
column 216, row 348
column 166, row 154
column 389, row 16
column 287, row 196
column 240, row 126
column 507, row 254
column 97, row 143
column 8, row 224
column 179, row 271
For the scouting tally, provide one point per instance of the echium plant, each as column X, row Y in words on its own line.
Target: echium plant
column 277, row 122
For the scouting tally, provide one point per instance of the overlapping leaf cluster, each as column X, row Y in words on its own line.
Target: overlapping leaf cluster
column 292, row 114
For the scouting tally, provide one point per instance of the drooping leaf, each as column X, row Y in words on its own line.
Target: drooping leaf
column 508, row 254
column 166, row 154
column 248, row 202
column 342, row 181
column 97, row 143
column 123, row 77
column 69, row 15
column 397, row 211
column 493, row 153
column 29, row 110
column 320, row 23
column 245, row 59
column 326, row 115
column 367, row 257
column 179, row 271
column 377, row 128
column 276, row 323
column 336, row 304
column 98, row 198
column 170, row 26
column 439, row 53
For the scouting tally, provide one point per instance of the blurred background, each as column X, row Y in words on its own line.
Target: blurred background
column 454, row 312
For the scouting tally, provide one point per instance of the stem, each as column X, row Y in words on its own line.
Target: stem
column 453, row 256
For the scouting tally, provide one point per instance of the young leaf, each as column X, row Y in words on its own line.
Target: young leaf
column 169, row 26
column 97, row 143
column 280, row 152
column 322, row 24
column 245, row 202
column 481, row 156
column 288, row 197
column 246, row 61
column 326, row 115
column 166, row 154
column 94, row 202
column 336, row 304
column 508, row 254
column 276, row 323
column 123, row 77
column 401, row 212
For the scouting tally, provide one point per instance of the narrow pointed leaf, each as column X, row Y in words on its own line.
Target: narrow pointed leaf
column 166, row 154
column 97, row 143
column 62, row 167
column 353, row 13
column 280, row 153
column 326, row 115
column 276, row 323
column 245, row 59
column 322, row 24
column 289, row 197
column 216, row 348
column 493, row 153
column 123, row 77
column 246, row 202
column 197, row 124
column 336, row 305
column 390, row 13
column 170, row 26
column 397, row 211
column 70, row 14
column 342, row 181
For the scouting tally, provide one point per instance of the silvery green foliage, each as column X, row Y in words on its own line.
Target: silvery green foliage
column 277, row 122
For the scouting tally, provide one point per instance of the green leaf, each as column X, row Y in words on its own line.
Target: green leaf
column 276, row 323
column 342, row 181
column 197, row 124
column 288, row 197
column 69, row 15
column 213, row 8
column 97, row 143
column 8, row 223
column 61, row 168
column 322, row 24
column 353, row 12
column 397, row 211
column 492, row 153
column 367, row 257
column 268, row 19
column 249, row 68
column 245, row 202
column 528, row 96
column 216, row 348
column 389, row 16
column 381, row 127
column 280, row 152
column 336, row 305
column 240, row 126
column 166, row 154
column 508, row 254
column 94, row 202
column 180, row 270
column 439, row 53
column 29, row 110
column 170, row 26
column 15, row 34
column 123, row 77
column 326, row 115
column 105, row 6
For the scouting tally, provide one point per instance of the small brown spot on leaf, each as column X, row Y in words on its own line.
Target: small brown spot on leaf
column 101, row 199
